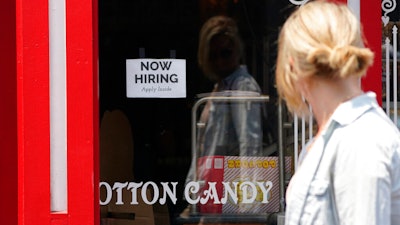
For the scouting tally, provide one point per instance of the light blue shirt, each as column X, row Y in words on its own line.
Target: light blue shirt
column 353, row 167
column 232, row 128
column 235, row 128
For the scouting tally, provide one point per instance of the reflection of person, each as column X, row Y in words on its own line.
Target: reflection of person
column 349, row 172
column 230, row 128
column 226, row 128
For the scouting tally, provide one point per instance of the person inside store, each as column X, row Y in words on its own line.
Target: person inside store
column 226, row 128
column 349, row 173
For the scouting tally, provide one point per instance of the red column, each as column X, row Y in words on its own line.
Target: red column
column 33, row 133
column 371, row 21
column 82, row 112
column 370, row 16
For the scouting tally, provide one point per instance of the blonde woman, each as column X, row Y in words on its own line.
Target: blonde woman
column 349, row 172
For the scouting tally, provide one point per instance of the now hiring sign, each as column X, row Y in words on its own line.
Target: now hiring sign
column 156, row 78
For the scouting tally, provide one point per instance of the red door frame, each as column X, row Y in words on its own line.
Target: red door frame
column 25, row 121
column 24, row 99
column 83, row 111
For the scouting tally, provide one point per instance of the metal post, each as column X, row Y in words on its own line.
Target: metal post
column 281, row 158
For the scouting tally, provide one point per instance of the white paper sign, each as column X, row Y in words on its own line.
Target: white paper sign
column 156, row 78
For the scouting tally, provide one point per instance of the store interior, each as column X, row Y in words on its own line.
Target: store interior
column 149, row 139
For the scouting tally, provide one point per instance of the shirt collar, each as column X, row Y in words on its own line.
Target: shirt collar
column 238, row 72
column 349, row 111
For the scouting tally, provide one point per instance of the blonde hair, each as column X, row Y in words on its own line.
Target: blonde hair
column 215, row 26
column 320, row 39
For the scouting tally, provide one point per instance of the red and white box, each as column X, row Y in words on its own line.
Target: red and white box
column 253, row 182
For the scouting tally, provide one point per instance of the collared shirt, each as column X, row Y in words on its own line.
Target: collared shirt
column 351, row 175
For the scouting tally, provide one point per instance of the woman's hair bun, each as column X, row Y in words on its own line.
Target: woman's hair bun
column 340, row 61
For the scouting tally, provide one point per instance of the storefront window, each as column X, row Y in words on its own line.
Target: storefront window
column 149, row 144
column 390, row 58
